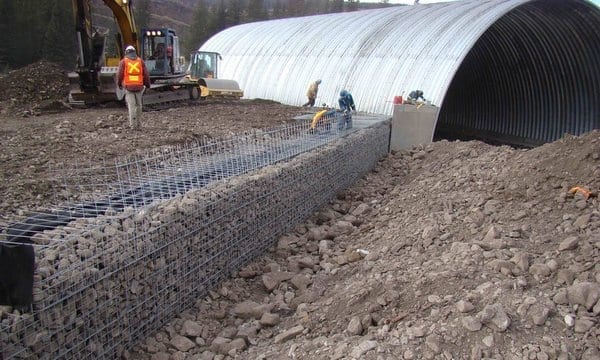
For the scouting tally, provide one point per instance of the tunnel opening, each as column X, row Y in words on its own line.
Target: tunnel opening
column 531, row 78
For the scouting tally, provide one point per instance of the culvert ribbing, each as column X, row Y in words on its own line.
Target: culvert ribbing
column 521, row 71
column 533, row 76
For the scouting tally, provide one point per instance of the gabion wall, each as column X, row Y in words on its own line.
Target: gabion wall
column 116, row 279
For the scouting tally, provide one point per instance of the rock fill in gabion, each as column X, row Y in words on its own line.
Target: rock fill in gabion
column 114, row 279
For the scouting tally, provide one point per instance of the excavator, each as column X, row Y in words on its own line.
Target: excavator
column 94, row 80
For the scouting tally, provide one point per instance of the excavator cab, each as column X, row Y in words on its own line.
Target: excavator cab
column 160, row 51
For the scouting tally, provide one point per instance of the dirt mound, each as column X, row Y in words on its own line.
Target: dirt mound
column 35, row 87
column 263, row 101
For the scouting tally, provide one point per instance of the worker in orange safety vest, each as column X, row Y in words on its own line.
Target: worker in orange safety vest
column 134, row 77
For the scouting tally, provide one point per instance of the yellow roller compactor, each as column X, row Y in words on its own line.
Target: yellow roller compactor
column 95, row 78
column 203, row 70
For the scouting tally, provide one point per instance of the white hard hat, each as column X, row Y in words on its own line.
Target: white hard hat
column 129, row 48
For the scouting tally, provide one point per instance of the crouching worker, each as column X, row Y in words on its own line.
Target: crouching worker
column 322, row 119
column 415, row 96
column 134, row 77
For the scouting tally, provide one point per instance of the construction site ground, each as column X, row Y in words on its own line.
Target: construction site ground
column 451, row 250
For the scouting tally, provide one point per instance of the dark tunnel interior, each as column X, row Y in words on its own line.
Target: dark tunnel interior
column 532, row 77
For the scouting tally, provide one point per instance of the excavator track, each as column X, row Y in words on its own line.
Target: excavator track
column 168, row 105
column 168, row 95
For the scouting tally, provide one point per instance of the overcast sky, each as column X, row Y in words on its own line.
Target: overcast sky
column 430, row 1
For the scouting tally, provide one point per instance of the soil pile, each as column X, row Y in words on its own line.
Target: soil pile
column 34, row 88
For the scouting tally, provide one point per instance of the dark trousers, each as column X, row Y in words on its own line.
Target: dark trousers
column 311, row 102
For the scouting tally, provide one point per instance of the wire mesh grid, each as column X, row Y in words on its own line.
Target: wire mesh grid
column 169, row 226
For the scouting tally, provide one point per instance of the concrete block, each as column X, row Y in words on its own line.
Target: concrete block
column 412, row 125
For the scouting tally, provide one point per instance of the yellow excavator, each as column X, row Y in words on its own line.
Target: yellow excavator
column 94, row 79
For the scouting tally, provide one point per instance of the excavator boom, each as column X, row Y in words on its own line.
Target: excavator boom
column 91, row 41
column 123, row 14
column 92, row 81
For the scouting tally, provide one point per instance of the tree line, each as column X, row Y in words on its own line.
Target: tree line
column 34, row 30
column 212, row 16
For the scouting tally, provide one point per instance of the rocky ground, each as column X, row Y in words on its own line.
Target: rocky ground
column 453, row 250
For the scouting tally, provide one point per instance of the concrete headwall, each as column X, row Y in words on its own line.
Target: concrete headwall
column 115, row 280
column 412, row 125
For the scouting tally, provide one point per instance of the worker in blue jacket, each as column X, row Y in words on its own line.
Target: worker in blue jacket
column 346, row 103
column 414, row 96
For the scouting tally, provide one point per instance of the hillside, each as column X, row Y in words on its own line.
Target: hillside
column 175, row 14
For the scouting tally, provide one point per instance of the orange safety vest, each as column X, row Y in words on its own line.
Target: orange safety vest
column 133, row 72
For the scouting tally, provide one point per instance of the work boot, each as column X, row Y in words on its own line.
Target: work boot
column 134, row 123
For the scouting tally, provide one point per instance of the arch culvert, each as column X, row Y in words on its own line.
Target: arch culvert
column 522, row 72
column 532, row 77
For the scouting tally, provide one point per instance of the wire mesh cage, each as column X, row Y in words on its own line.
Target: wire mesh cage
column 140, row 241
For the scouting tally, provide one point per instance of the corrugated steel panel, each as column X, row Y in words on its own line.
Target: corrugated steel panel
column 377, row 54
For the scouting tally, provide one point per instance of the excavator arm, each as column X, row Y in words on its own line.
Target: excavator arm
column 92, row 44
column 123, row 14
column 89, row 37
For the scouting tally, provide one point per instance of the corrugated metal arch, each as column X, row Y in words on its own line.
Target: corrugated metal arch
column 521, row 70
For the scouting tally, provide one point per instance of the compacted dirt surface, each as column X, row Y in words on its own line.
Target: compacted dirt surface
column 41, row 135
column 451, row 250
